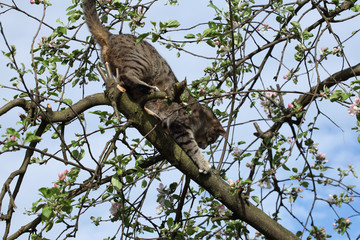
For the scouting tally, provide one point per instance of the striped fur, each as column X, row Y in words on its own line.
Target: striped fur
column 142, row 71
column 141, row 67
column 199, row 128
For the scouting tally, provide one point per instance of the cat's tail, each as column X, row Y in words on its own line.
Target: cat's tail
column 100, row 33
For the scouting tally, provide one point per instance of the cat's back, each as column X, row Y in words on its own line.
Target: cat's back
column 126, row 44
column 124, row 52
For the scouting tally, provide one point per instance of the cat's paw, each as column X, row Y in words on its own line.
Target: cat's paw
column 155, row 89
column 148, row 89
column 204, row 168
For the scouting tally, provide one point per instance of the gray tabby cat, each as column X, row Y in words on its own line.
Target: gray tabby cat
column 142, row 71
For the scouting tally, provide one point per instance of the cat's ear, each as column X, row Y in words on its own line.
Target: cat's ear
column 221, row 131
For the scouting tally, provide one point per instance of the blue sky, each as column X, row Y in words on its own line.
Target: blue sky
column 340, row 145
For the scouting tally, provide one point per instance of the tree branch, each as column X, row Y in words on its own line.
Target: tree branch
column 336, row 78
column 73, row 111
column 212, row 182
column 19, row 102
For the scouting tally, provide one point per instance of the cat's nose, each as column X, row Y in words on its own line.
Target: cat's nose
column 202, row 145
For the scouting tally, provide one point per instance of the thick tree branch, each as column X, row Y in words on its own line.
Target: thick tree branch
column 332, row 14
column 26, row 228
column 19, row 102
column 65, row 115
column 212, row 182
column 84, row 104
column 306, row 98
column 336, row 78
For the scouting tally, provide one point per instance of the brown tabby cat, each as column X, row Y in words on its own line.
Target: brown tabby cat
column 142, row 71
column 191, row 131
column 141, row 67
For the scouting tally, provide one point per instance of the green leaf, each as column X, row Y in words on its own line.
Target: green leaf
column 170, row 222
column 60, row 22
column 339, row 95
column 190, row 230
column 68, row 101
column 78, row 155
column 285, row 167
column 299, row 233
column 66, row 206
column 209, row 32
column 210, row 43
column 129, row 179
column 214, row 7
column 74, row 17
column 105, row 196
column 172, row 24
column 12, row 132
column 356, row 8
column 31, row 137
column 296, row 24
column 71, row 7
column 35, row 208
column 290, row 10
column 144, row 184
column 141, row 37
column 49, row 226
column 304, row 184
column 280, row 19
column 189, row 36
column 46, row 214
column 74, row 172
column 154, row 37
column 153, row 23
column 168, row 204
column 148, row 229
column 173, row 187
column 256, row 199
column 62, row 30
column 148, row 143
column 247, row 181
column 115, row 181
column 298, row 56
column 335, row 95
column 306, row 35
column 309, row 142
column 45, row 192
column 39, row 59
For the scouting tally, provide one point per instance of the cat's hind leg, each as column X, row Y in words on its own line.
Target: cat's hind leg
column 132, row 82
column 151, row 113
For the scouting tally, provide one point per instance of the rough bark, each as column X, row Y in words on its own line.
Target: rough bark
column 212, row 182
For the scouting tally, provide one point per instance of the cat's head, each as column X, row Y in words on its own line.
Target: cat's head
column 209, row 132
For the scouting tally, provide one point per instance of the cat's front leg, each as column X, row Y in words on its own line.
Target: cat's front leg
column 193, row 151
column 184, row 136
column 204, row 166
